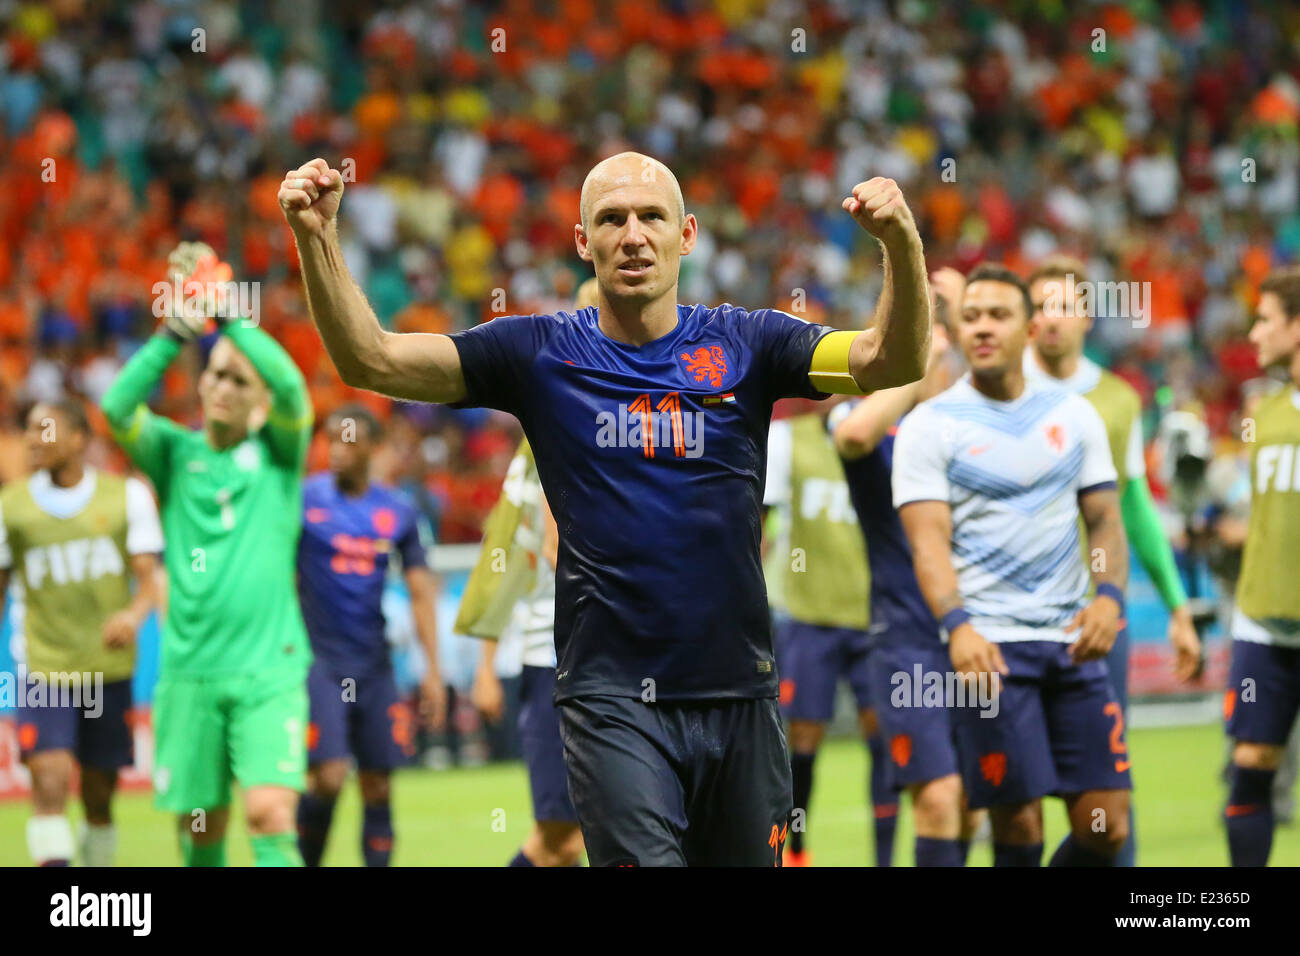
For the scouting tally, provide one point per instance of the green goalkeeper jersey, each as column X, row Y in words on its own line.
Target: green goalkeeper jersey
column 231, row 517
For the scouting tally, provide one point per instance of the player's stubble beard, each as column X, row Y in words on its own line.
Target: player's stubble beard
column 1004, row 379
column 1060, row 349
column 637, row 300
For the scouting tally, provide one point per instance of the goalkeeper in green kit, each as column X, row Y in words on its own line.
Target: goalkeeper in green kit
column 231, row 699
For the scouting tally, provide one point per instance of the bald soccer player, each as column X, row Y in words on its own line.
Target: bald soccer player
column 649, row 423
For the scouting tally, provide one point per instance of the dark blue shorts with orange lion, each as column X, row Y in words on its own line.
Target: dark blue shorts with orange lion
column 1058, row 729
column 921, row 738
column 811, row 659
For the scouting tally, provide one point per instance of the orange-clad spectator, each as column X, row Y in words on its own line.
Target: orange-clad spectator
column 553, row 38
column 1168, row 310
column 1256, row 260
column 1118, row 22
column 509, row 35
column 705, row 29
column 564, row 205
column 1067, row 91
column 576, row 14
column 702, row 189
column 944, row 209
column 364, row 158
column 1016, row 260
column 302, row 342
column 377, row 112
column 259, row 253
column 498, row 200
column 393, row 43
column 758, row 188
column 1058, row 98
column 17, row 319
column 755, row 69
column 260, row 196
column 549, row 149
column 634, row 26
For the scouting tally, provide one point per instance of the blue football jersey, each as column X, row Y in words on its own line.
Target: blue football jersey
column 343, row 558
column 653, row 460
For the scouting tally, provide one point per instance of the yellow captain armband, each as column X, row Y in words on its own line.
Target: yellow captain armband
column 829, row 371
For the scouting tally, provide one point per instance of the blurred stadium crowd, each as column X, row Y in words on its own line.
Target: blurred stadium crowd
column 1162, row 149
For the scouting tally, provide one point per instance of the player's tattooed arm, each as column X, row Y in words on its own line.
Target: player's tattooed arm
column 928, row 526
column 949, row 602
column 1100, row 621
column 903, row 316
column 413, row 366
column 1107, row 543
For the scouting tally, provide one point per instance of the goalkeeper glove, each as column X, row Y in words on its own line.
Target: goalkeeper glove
column 200, row 290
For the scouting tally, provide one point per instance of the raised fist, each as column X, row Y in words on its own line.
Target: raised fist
column 879, row 208
column 310, row 196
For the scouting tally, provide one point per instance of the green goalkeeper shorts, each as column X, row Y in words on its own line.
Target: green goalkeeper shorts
column 209, row 732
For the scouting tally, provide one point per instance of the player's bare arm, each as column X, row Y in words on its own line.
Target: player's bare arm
column 898, row 353
column 1188, row 662
column 487, row 694
column 928, row 526
column 415, row 366
column 121, row 627
column 1099, row 622
column 423, row 589
column 863, row 428
column 866, row 426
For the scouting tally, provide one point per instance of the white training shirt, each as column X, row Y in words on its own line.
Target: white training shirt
column 531, row 631
column 1084, row 380
column 1011, row 473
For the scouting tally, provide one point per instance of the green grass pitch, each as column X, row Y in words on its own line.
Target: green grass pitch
column 477, row 817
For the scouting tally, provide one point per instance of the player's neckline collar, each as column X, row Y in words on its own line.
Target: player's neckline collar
column 1085, row 376
column 652, row 345
column 969, row 382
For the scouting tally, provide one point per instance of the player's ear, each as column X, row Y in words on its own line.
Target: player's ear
column 257, row 417
column 580, row 241
column 690, row 232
